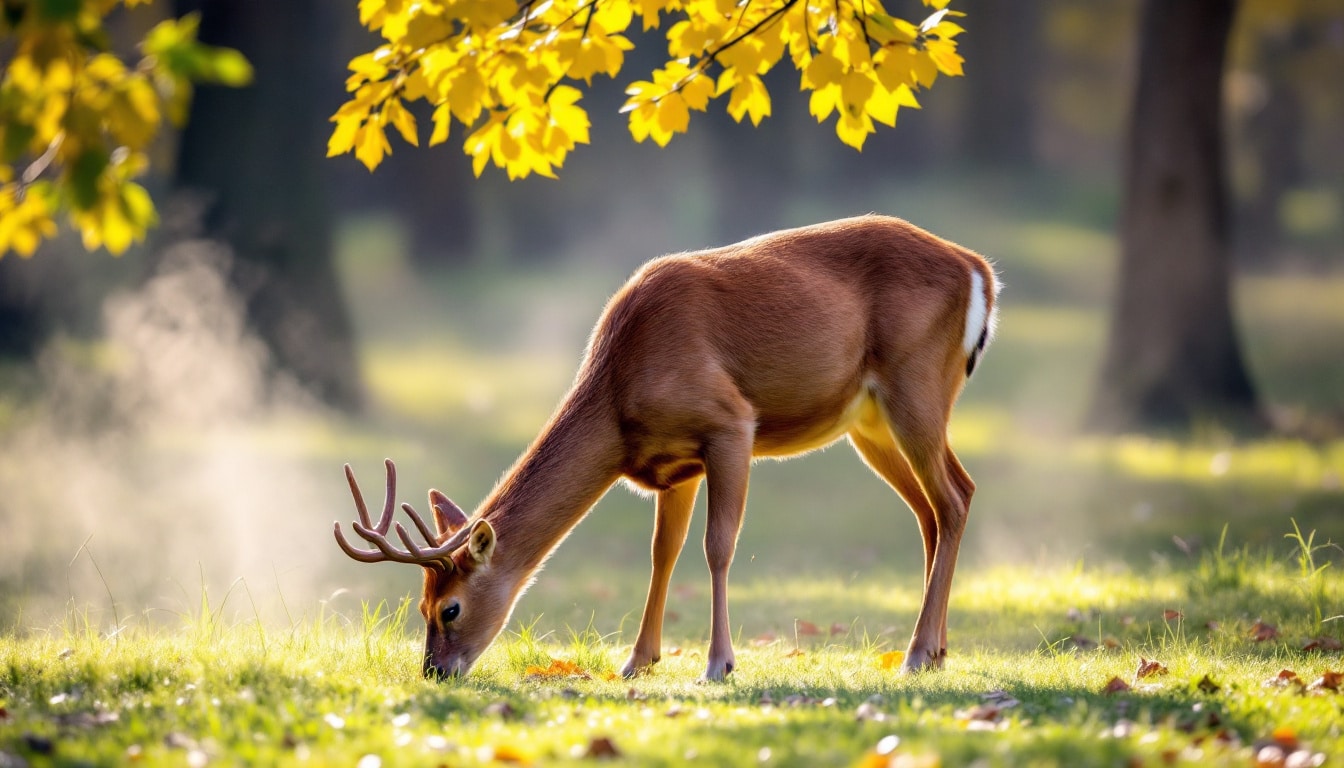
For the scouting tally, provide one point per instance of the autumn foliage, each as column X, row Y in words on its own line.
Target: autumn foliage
column 77, row 121
column 508, row 73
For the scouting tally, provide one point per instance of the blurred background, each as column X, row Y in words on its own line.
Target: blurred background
column 173, row 422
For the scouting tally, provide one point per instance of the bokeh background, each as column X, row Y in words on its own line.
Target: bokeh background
column 173, row 422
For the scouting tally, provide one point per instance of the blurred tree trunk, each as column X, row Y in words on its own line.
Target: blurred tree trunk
column 255, row 156
column 1173, row 357
column 1002, row 52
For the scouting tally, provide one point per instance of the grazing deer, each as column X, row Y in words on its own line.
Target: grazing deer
column 865, row 327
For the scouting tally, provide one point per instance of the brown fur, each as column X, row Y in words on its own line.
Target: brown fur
column 702, row 361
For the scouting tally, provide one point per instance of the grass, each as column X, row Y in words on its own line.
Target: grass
column 1033, row 651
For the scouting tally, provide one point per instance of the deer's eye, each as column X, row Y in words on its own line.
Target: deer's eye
column 450, row 612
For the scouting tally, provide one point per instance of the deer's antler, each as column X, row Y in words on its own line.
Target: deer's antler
column 432, row 555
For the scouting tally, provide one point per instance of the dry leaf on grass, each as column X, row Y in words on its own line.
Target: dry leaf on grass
column 1262, row 631
column 602, row 748
column 1149, row 668
column 891, row 659
column 1328, row 681
column 1171, row 614
column 504, row 753
column 558, row 668
column 1323, row 644
column 1207, row 685
column 1116, row 685
column 1285, row 678
column 795, row 652
column 805, row 628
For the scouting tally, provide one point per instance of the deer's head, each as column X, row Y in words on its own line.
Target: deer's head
column 466, row 600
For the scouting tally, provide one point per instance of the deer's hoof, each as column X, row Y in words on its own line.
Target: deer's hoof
column 717, row 670
column 920, row 660
column 637, row 665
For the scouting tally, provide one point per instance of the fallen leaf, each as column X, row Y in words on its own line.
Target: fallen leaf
column 1207, row 685
column 1323, row 644
column 1285, row 678
column 1148, row 668
column 805, row 628
column 795, row 652
column 674, row 651
column 1116, row 685
column 4, row 713
column 1285, row 737
column 611, row 676
column 602, row 748
column 1171, row 614
column 1262, row 631
column 839, row 629
column 1328, row 681
column 1083, row 643
column 891, row 659
column 504, row 753
column 1110, row 643
column 986, row 712
column 558, row 668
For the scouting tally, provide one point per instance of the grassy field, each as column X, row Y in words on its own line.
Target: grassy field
column 1037, row 658
column 1084, row 555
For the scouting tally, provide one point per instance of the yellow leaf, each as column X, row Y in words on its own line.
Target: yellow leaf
column 823, row 101
column 465, row 95
column 891, row 659
column 697, row 91
column 567, row 116
column 672, row 117
column 750, row 97
column 371, row 144
column 343, row 136
column 824, row 70
column 854, row 129
column 402, row 120
column 442, row 120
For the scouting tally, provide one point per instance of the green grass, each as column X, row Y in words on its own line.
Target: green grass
column 334, row 688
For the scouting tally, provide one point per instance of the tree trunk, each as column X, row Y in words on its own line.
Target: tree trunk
column 255, row 155
column 1173, row 359
column 1001, row 53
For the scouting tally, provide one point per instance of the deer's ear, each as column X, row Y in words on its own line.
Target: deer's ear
column 481, row 543
column 448, row 517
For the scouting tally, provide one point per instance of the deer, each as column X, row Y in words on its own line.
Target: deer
column 864, row 328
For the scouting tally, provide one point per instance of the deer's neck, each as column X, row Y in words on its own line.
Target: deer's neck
column 555, row 482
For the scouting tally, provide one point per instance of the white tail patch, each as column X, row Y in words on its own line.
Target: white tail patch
column 975, row 313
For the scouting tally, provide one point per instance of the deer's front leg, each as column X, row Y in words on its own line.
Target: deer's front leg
column 727, row 466
column 672, row 519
